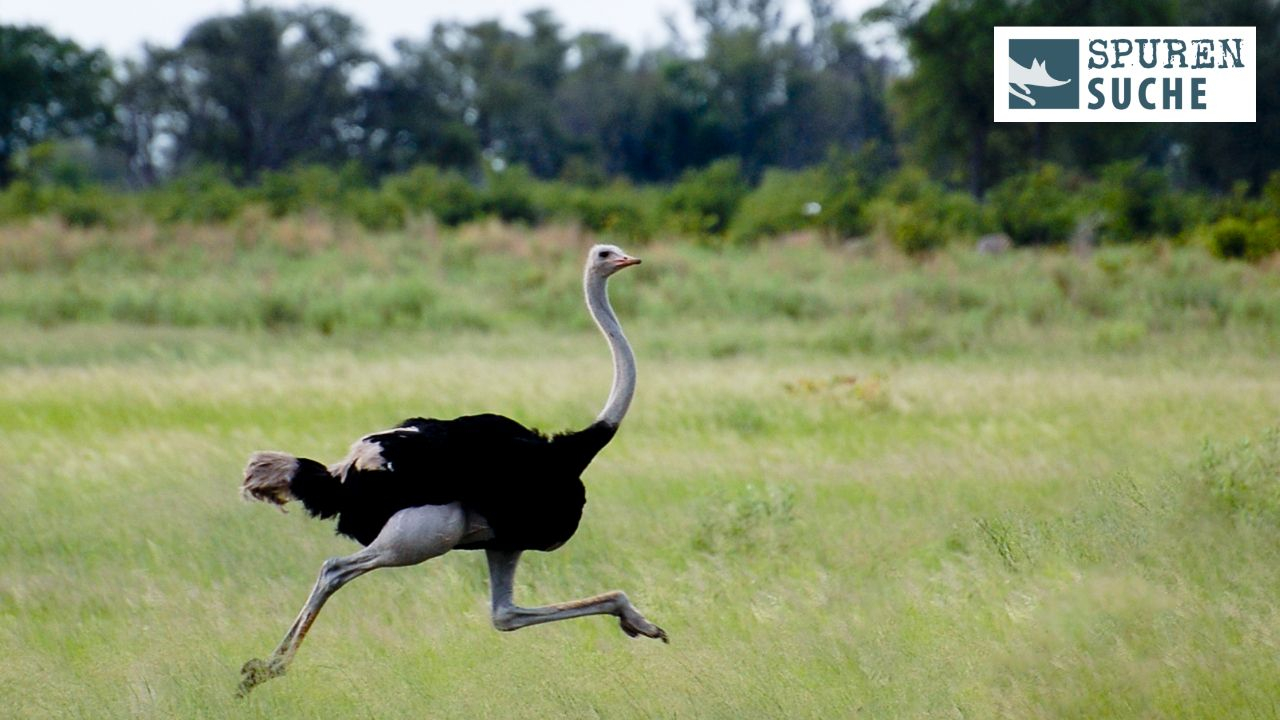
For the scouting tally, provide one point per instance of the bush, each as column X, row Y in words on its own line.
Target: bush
column 918, row 214
column 311, row 187
column 1235, row 238
column 1042, row 206
column 851, row 178
column 87, row 206
column 844, row 213
column 508, row 195
column 703, row 201
column 618, row 209
column 961, row 215
column 1036, row 207
column 282, row 192
column 1269, row 199
column 202, row 195
column 22, row 200
column 915, row 233
column 1137, row 202
column 448, row 196
column 84, row 208
column 377, row 211
column 785, row 201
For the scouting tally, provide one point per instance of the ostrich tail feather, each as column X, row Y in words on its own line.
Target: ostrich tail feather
column 267, row 477
column 277, row 478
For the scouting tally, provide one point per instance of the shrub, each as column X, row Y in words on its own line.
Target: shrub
column 1036, row 207
column 844, row 213
column 753, row 517
column 703, row 201
column 202, row 195
column 84, row 208
column 1239, row 239
column 508, row 195
column 1269, row 199
column 377, row 211
column 785, row 201
column 280, row 192
column 961, row 215
column 909, row 185
column 1182, row 210
column 617, row 209
column 1136, row 202
column 307, row 187
column 21, row 200
column 915, row 233
column 918, row 214
column 1265, row 239
column 851, row 178
column 448, row 196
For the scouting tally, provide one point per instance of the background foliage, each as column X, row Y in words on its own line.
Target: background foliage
column 792, row 125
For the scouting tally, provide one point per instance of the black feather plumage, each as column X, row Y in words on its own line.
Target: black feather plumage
column 527, row 486
column 318, row 491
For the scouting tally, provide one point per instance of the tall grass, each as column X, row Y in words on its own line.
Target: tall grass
column 316, row 275
column 831, row 536
column 852, row 484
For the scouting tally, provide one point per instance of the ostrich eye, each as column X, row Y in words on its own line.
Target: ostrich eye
column 604, row 253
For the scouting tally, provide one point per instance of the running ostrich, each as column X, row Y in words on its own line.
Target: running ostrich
column 477, row 482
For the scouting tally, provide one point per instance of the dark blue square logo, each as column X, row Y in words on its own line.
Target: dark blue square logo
column 1044, row 74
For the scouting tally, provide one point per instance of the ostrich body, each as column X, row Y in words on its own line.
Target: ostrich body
column 476, row 482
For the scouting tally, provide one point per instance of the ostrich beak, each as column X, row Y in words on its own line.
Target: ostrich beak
column 626, row 262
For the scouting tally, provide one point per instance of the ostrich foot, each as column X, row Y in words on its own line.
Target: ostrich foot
column 255, row 672
column 634, row 625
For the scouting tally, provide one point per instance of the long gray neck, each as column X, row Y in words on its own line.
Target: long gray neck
column 624, row 361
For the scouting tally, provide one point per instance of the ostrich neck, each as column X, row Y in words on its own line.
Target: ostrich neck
column 624, row 361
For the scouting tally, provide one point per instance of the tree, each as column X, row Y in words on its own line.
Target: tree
column 1222, row 153
column 648, row 120
column 266, row 88
column 504, row 83
column 256, row 91
column 416, row 112
column 150, row 113
column 596, row 105
column 944, row 105
column 1091, row 146
column 835, row 94
column 49, row 88
column 746, row 67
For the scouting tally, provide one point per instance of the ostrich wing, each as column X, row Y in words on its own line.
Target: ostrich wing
column 525, row 485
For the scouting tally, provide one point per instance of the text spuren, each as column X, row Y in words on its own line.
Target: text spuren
column 1148, row 52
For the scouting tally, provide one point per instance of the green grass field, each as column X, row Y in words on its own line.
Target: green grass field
column 851, row 485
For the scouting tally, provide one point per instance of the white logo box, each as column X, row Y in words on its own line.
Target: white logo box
column 1229, row 94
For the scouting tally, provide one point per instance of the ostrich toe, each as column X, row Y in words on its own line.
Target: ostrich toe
column 255, row 672
column 637, row 626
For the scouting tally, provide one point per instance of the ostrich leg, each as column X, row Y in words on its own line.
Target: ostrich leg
column 411, row 536
column 509, row 616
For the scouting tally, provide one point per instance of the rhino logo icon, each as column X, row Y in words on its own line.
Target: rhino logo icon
column 1032, row 83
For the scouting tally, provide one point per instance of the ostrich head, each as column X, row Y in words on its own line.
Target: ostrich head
column 605, row 260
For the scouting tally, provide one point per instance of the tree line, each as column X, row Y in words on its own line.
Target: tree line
column 267, row 89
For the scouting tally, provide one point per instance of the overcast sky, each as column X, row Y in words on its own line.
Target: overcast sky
column 121, row 26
